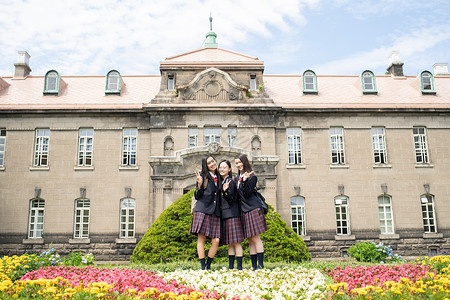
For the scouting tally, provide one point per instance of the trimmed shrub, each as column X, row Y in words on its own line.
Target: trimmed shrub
column 374, row 253
column 168, row 239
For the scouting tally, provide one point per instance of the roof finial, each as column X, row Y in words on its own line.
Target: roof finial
column 210, row 21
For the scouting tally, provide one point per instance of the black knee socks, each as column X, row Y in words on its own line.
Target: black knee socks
column 202, row 263
column 208, row 263
column 260, row 257
column 231, row 262
column 254, row 259
column 239, row 262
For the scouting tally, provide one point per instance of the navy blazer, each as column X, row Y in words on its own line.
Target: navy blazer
column 229, row 201
column 246, row 194
column 208, row 199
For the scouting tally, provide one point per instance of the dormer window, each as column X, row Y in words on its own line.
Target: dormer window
column 253, row 82
column 368, row 83
column 309, row 82
column 171, row 82
column 113, row 82
column 51, row 84
column 427, row 83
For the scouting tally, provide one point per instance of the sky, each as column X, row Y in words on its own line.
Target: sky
column 330, row 37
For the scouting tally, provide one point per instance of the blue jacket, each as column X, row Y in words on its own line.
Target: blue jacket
column 229, row 201
column 208, row 199
column 246, row 194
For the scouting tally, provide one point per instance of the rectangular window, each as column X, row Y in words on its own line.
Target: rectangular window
column 385, row 215
column 41, row 147
column 82, row 212
column 212, row 134
column 298, row 215
column 379, row 145
column 129, row 147
column 428, row 214
column 36, row 221
column 85, row 146
column 342, row 217
column 420, row 145
column 232, row 132
column 193, row 137
column 2, row 146
column 127, row 211
column 253, row 82
column 171, row 82
column 294, row 145
column 337, row 145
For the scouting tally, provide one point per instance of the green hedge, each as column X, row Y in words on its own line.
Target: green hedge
column 168, row 239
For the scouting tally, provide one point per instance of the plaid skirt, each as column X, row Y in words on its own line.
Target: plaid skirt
column 207, row 225
column 232, row 231
column 254, row 222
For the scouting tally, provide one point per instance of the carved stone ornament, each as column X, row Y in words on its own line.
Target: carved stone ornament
column 214, row 147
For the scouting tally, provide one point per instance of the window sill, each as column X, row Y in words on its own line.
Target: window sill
column 338, row 166
column 306, row 238
column 428, row 92
column 370, row 92
column 128, row 168
column 80, row 241
column 295, row 166
column 33, row 241
column 344, row 237
column 382, row 166
column 389, row 236
column 46, row 168
column 433, row 235
column 83, row 168
column 2, row 168
column 310, row 92
column 126, row 241
column 424, row 166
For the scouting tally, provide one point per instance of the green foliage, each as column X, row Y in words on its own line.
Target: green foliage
column 371, row 252
column 169, row 240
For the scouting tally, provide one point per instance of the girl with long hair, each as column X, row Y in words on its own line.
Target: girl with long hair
column 253, row 219
column 206, row 214
column 233, row 234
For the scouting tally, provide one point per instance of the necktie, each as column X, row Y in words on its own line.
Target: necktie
column 240, row 179
column 215, row 179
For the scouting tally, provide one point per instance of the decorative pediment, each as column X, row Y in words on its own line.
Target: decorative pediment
column 211, row 85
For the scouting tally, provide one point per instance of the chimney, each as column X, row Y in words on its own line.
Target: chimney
column 395, row 65
column 22, row 65
column 440, row 69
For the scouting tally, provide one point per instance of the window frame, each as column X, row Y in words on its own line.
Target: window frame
column 34, row 213
column 340, row 206
column 47, row 90
column 192, row 137
column 171, row 82
column 124, row 232
column 312, row 75
column 81, row 226
column 302, row 221
column 339, row 144
column 294, row 143
column 232, row 136
column 216, row 136
column 118, row 89
column 379, row 148
column 41, row 141
column 426, row 220
column 2, row 146
column 373, row 90
column 421, row 145
column 129, row 147
column 83, row 140
column 384, row 222
column 425, row 91
column 253, row 86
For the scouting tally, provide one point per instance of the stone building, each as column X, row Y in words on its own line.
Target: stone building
column 89, row 162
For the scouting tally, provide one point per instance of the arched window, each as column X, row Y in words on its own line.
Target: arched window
column 127, row 220
column 82, row 217
column 309, row 82
column 256, row 145
column 168, row 146
column 368, row 82
column 298, row 215
column 427, row 83
column 51, row 83
column 113, row 82
column 36, row 218
column 428, row 213
column 385, row 214
column 342, row 215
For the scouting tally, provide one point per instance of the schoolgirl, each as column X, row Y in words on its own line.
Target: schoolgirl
column 233, row 234
column 206, row 214
column 252, row 213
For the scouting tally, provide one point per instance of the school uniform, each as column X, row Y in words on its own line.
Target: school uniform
column 253, row 219
column 206, row 216
column 231, row 215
